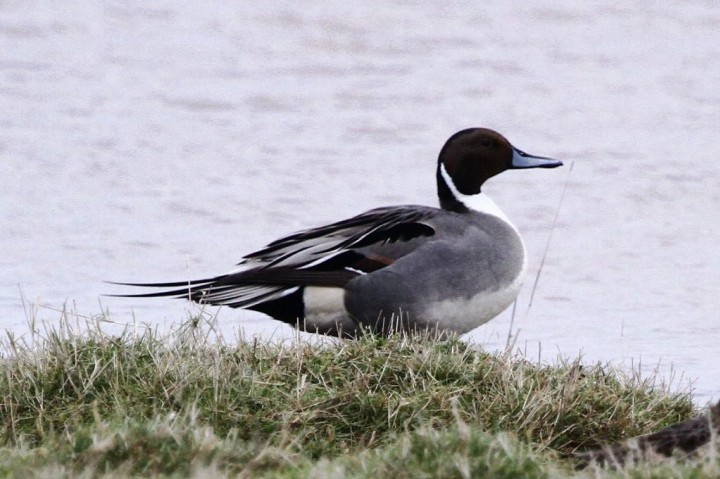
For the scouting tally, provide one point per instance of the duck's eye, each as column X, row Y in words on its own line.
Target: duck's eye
column 486, row 142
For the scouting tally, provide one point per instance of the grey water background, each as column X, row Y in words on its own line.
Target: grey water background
column 154, row 141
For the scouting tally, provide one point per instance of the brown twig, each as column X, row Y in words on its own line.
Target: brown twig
column 685, row 437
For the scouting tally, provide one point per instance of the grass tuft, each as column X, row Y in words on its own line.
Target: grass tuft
column 78, row 401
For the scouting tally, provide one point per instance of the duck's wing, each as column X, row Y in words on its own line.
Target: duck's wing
column 328, row 256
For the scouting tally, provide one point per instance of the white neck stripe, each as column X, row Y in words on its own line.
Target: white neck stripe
column 478, row 202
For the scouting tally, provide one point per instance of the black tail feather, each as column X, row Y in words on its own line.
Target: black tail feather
column 182, row 289
column 176, row 284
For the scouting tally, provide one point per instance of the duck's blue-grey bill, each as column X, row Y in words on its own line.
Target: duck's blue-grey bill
column 521, row 159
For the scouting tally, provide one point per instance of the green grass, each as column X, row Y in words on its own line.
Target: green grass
column 77, row 401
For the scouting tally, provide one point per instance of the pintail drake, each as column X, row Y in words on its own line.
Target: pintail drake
column 393, row 268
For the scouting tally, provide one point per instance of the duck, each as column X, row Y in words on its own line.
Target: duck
column 394, row 268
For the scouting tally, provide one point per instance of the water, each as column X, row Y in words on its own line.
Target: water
column 143, row 142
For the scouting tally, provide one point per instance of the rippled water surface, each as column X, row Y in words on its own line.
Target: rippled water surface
column 163, row 140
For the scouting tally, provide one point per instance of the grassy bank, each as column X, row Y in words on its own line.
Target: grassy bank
column 79, row 401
